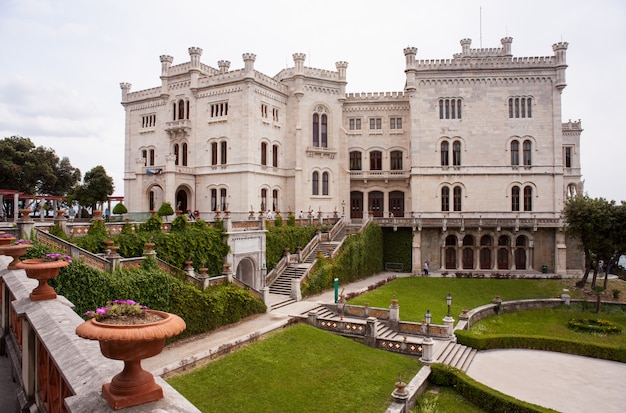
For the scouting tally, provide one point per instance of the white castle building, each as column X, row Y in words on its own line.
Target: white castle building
column 472, row 155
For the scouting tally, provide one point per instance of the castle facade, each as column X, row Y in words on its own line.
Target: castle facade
column 472, row 156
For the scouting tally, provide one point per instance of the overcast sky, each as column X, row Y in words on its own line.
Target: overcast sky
column 61, row 61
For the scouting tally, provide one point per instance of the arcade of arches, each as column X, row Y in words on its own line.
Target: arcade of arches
column 487, row 252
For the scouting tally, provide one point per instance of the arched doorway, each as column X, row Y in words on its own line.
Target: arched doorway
column 375, row 200
column 503, row 252
column 468, row 252
column 450, row 254
column 181, row 200
column 356, row 204
column 396, row 203
column 245, row 272
column 155, row 197
column 485, row 252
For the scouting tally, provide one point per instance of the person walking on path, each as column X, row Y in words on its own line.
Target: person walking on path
column 426, row 268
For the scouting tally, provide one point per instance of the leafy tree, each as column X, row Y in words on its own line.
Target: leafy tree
column 120, row 209
column 35, row 170
column 96, row 187
column 599, row 225
column 165, row 210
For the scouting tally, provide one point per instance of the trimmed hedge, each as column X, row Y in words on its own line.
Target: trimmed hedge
column 477, row 393
column 360, row 256
column 280, row 237
column 491, row 341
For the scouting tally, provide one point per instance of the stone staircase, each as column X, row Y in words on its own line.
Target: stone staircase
column 282, row 284
column 455, row 355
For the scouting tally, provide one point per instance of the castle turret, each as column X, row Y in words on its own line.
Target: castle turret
column 194, row 54
column 560, row 51
column 506, row 46
column 224, row 65
column 341, row 68
column 298, row 59
column 465, row 46
column 166, row 63
column 248, row 59
column 125, row 89
column 409, row 55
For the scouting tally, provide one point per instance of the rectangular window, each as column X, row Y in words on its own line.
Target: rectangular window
column 148, row 121
column 355, row 123
column 355, row 161
column 396, row 160
column 218, row 109
column 376, row 161
column 520, row 107
column 568, row 156
column 395, row 123
column 275, row 156
column 213, row 153
column 263, row 110
column 376, row 123
column 275, row 114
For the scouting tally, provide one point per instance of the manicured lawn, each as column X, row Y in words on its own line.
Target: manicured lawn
column 300, row 369
column 552, row 322
column 417, row 294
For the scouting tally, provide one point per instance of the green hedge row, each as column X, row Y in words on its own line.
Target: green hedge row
column 491, row 341
column 477, row 393
column 280, row 237
column 360, row 256
column 88, row 289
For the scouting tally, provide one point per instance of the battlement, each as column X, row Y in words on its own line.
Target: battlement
column 570, row 126
column 375, row 95
column 154, row 92
column 310, row 72
column 501, row 62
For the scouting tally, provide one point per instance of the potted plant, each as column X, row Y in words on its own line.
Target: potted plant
column 15, row 250
column 43, row 269
column 6, row 238
column 130, row 332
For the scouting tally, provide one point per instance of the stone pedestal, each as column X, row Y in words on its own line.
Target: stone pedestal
column 427, row 351
column 448, row 322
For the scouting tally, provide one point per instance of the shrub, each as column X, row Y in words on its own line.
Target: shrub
column 596, row 326
column 119, row 209
column 94, row 240
column 165, row 210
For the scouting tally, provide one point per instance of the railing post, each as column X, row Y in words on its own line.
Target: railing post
column 370, row 331
column 394, row 314
column 296, row 292
column 29, row 360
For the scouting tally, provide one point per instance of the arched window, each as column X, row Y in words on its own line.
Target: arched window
column 176, row 153
column 263, row 153
column 316, row 130
column 376, row 161
column 514, row 153
column 275, row 156
column 174, row 112
column 445, row 199
column 213, row 153
column 457, row 198
column 223, row 148
column 456, row 153
column 515, row 198
column 355, row 161
column 184, row 150
column 528, row 198
column 263, row 199
column 324, row 131
column 181, row 109
column 213, row 199
column 444, row 153
column 275, row 200
column 527, row 153
column 144, row 155
column 315, row 181
column 325, row 183
column 224, row 204
column 396, row 160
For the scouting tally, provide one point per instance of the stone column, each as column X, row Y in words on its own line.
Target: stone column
column 427, row 350
column 394, row 314
column 296, row 292
column 448, row 322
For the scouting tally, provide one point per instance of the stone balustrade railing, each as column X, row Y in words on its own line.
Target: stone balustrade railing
column 56, row 370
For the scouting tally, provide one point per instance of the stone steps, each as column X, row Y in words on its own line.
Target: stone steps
column 456, row 355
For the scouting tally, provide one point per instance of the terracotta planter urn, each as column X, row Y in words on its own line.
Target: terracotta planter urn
column 15, row 251
column 132, row 343
column 42, row 271
column 6, row 239
column 97, row 214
